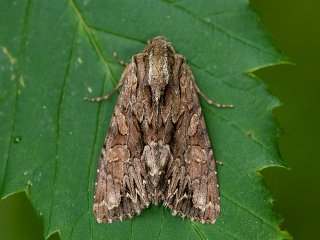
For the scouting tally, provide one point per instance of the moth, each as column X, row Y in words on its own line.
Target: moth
column 157, row 148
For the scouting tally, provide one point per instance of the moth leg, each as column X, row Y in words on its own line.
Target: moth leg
column 109, row 95
column 209, row 101
column 119, row 86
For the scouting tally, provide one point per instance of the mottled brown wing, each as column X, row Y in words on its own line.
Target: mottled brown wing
column 192, row 186
column 120, row 184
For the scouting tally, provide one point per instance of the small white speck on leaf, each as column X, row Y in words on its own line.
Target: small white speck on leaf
column 79, row 60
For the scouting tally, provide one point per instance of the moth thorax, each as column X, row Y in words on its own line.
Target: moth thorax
column 158, row 76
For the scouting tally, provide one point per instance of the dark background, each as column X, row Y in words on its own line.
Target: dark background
column 295, row 28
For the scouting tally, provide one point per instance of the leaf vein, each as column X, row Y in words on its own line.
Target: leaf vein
column 220, row 28
column 106, row 31
column 249, row 211
column 94, row 146
column 162, row 223
column 24, row 36
column 59, row 121
column 92, row 39
column 199, row 232
column 239, row 129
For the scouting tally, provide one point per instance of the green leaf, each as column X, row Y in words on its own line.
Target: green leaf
column 53, row 54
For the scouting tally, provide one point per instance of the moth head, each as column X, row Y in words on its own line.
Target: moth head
column 160, row 59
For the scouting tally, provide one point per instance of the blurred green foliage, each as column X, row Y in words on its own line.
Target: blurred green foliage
column 295, row 27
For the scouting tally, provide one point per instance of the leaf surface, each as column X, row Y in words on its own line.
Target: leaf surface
column 52, row 54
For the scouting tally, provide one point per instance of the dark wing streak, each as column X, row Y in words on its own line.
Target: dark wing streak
column 120, row 187
column 192, row 189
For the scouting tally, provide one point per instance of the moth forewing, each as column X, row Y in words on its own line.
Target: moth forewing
column 157, row 148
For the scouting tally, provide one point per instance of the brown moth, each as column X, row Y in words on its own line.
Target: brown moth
column 157, row 148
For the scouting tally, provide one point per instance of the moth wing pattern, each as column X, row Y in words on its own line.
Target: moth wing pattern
column 157, row 148
column 120, row 184
column 192, row 189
